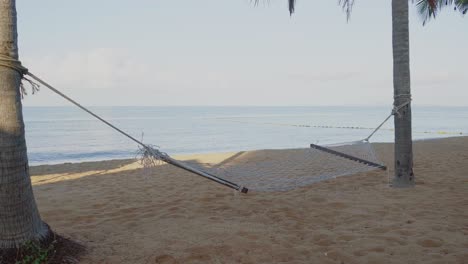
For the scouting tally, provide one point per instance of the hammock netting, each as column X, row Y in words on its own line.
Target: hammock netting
column 286, row 169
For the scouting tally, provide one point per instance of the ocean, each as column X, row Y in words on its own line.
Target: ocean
column 67, row 134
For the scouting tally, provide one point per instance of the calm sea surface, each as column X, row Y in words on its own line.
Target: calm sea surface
column 66, row 134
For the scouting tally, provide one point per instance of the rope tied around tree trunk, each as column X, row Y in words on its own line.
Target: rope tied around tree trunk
column 395, row 111
column 12, row 63
column 16, row 65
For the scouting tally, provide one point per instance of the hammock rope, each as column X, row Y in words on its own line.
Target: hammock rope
column 156, row 154
column 395, row 111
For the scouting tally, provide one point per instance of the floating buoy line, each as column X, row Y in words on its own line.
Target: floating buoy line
column 340, row 127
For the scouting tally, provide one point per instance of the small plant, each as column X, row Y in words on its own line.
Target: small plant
column 55, row 249
column 34, row 253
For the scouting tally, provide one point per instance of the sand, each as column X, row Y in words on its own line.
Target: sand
column 124, row 214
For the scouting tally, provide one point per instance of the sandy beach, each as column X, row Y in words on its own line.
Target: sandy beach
column 126, row 214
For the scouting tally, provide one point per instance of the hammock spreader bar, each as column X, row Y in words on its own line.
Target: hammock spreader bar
column 166, row 158
column 346, row 156
column 207, row 175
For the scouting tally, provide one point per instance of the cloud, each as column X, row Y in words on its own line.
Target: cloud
column 90, row 76
column 438, row 79
column 325, row 75
column 108, row 76
column 93, row 69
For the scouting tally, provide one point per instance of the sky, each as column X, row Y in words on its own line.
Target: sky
column 231, row 52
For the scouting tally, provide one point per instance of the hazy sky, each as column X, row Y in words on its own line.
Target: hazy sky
column 229, row 52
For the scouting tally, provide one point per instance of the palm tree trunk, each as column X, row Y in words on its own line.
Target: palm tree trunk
column 404, row 176
column 19, row 217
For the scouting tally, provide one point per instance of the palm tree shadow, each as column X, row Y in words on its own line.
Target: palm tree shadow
column 70, row 168
column 109, row 170
column 229, row 159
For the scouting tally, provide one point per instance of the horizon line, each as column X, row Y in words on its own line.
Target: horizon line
column 350, row 105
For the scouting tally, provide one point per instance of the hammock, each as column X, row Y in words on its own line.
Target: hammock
column 264, row 170
column 272, row 170
column 269, row 170
column 287, row 169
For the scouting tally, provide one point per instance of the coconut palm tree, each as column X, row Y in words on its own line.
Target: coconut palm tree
column 404, row 176
column 19, row 217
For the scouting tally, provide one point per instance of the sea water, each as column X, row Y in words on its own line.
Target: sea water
column 67, row 134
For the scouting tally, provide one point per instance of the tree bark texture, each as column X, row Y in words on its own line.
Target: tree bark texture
column 404, row 176
column 19, row 217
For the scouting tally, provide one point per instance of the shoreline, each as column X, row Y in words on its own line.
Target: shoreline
column 182, row 156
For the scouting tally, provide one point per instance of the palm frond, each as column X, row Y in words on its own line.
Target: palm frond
column 347, row 6
column 430, row 8
column 292, row 5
